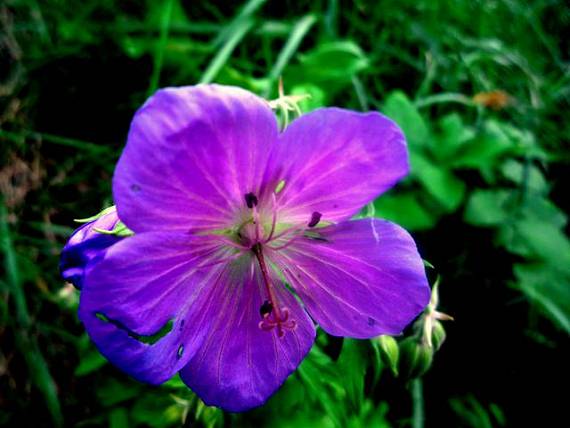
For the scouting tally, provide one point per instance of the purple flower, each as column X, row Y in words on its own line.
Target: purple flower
column 87, row 245
column 226, row 211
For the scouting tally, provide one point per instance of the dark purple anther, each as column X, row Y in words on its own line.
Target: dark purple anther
column 266, row 308
column 250, row 200
column 315, row 218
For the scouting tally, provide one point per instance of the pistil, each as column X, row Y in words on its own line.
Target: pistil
column 273, row 315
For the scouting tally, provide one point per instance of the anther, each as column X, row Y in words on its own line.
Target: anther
column 315, row 218
column 250, row 200
column 265, row 309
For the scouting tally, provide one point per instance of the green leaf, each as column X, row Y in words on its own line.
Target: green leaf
column 473, row 414
column 528, row 176
column 439, row 182
column 113, row 392
column 352, row 362
column 119, row 418
column 400, row 109
column 546, row 242
column 334, row 61
column 406, row 210
column 453, row 135
column 489, row 207
column 322, row 383
column 548, row 288
column 542, row 209
column 486, row 148
column 89, row 362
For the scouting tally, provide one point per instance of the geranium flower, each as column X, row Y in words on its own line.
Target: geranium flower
column 243, row 240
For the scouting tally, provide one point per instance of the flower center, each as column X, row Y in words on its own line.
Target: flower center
column 260, row 233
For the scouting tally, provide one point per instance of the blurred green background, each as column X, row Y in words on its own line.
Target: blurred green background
column 481, row 89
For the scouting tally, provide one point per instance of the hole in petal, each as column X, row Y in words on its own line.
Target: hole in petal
column 180, row 351
column 315, row 236
column 148, row 339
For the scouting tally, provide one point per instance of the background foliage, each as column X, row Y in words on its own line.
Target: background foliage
column 482, row 92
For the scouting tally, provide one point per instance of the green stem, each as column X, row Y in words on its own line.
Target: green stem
column 418, row 417
column 444, row 98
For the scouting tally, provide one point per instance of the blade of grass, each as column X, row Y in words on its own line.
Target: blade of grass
column 26, row 343
column 245, row 13
column 444, row 98
column 17, row 137
column 360, row 93
column 159, row 52
column 225, row 52
column 299, row 31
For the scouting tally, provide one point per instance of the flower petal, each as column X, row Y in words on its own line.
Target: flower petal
column 147, row 286
column 240, row 366
column 86, row 245
column 192, row 154
column 359, row 278
column 335, row 161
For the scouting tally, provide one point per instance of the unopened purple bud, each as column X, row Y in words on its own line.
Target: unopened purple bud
column 87, row 244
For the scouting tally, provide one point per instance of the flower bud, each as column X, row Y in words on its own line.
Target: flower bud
column 415, row 358
column 389, row 352
column 87, row 244
column 437, row 335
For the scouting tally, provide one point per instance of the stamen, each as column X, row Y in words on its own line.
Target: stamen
column 273, row 218
column 315, row 218
column 256, row 223
column 288, row 232
column 250, row 200
column 279, row 187
column 288, row 243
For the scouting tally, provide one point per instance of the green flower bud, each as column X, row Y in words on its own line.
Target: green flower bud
column 437, row 335
column 415, row 358
column 389, row 352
